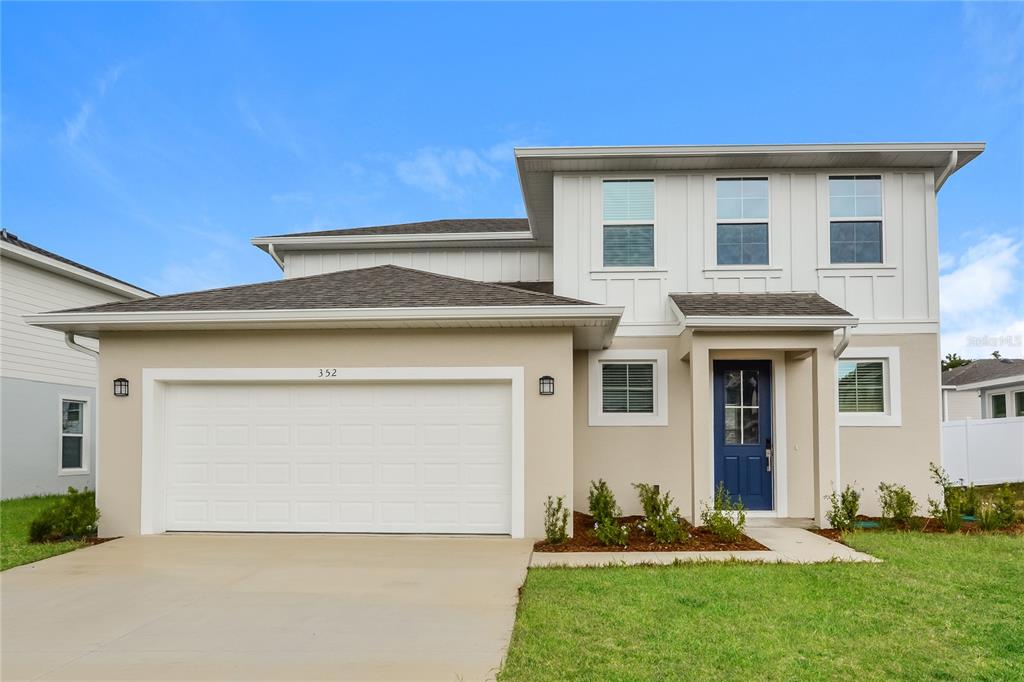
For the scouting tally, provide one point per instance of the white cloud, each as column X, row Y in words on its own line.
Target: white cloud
column 270, row 126
column 298, row 197
column 980, row 300
column 74, row 127
column 995, row 38
column 444, row 171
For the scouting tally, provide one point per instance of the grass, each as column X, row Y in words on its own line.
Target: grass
column 15, row 517
column 940, row 608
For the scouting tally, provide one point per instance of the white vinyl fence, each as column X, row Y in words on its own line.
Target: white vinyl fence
column 984, row 450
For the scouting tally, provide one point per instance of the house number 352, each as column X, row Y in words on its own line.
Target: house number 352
column 328, row 373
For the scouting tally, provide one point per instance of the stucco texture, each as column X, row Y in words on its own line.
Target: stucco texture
column 548, row 419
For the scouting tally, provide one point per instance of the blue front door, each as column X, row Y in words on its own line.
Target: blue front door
column 743, row 430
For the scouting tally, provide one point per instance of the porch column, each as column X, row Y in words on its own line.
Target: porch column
column 701, row 458
column 826, row 437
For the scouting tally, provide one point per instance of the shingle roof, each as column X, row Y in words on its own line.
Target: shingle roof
column 758, row 305
column 383, row 286
column 983, row 370
column 450, row 226
column 14, row 240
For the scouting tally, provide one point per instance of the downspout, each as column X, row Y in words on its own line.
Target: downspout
column 69, row 339
column 836, row 352
column 843, row 343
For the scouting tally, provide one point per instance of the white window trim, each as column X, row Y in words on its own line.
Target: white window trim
column 893, row 415
column 883, row 262
column 598, row 417
column 600, row 267
column 86, row 434
column 713, row 264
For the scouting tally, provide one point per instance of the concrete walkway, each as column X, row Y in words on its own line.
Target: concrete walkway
column 785, row 546
column 264, row 607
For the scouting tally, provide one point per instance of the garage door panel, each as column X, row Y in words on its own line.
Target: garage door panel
column 429, row 457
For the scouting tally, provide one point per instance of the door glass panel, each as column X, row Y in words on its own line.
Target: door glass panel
column 733, row 379
column 749, row 388
column 732, row 425
column 750, row 424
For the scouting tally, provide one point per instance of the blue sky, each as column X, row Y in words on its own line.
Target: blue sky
column 153, row 140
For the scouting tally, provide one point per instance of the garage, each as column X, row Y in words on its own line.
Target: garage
column 342, row 456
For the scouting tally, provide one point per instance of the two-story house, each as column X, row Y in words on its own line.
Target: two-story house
column 761, row 317
column 47, row 389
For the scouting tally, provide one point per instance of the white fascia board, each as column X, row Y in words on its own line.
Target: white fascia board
column 95, row 321
column 738, row 322
column 350, row 240
column 988, row 383
column 725, row 150
column 72, row 272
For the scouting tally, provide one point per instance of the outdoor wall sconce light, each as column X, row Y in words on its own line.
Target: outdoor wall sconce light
column 121, row 387
column 547, row 385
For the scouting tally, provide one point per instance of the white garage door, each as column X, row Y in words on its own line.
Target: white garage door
column 390, row 457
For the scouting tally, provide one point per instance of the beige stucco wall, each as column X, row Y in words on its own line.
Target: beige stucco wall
column 548, row 419
column 623, row 455
column 870, row 455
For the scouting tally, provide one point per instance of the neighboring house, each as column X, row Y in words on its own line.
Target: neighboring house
column 766, row 317
column 47, row 389
column 984, row 389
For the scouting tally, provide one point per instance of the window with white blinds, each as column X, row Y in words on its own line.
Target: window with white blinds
column 627, row 387
column 628, row 216
column 862, row 386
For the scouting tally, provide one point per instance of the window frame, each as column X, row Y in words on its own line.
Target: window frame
column 880, row 219
column 597, row 415
column 715, row 265
column 629, row 223
column 1006, row 404
column 85, row 435
column 1018, row 404
column 891, row 393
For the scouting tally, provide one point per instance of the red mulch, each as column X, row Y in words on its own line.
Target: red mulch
column 700, row 540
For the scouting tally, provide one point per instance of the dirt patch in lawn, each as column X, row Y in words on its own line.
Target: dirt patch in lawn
column 700, row 540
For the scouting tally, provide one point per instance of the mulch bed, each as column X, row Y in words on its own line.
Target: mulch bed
column 923, row 524
column 700, row 540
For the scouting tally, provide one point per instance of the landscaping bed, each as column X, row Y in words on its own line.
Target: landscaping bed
column 920, row 524
column 700, row 539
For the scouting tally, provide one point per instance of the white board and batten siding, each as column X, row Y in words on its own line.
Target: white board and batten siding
column 485, row 265
column 903, row 288
column 37, row 354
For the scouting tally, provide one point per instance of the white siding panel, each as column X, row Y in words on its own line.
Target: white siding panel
column 40, row 354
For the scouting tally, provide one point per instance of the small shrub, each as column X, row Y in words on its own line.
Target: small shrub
column 73, row 515
column 898, row 505
column 970, row 499
column 611, row 533
column 660, row 517
column 1004, row 502
column 986, row 515
column 719, row 520
column 556, row 520
column 843, row 508
column 602, row 502
column 948, row 511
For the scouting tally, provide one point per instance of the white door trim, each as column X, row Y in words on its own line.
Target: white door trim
column 155, row 379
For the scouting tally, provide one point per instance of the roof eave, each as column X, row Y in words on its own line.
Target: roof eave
column 67, row 270
column 761, row 322
column 989, row 383
column 316, row 242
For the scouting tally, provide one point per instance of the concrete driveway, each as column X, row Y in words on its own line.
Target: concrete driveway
column 258, row 607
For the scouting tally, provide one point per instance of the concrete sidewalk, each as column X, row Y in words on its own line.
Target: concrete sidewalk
column 785, row 546
column 265, row 607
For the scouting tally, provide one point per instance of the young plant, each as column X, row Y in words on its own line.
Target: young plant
column 970, row 500
column 843, row 508
column 606, row 511
column 1005, row 503
column 727, row 519
column 556, row 520
column 948, row 511
column 72, row 516
column 660, row 517
column 898, row 505
column 986, row 515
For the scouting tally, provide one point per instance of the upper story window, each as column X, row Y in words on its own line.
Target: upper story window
column 742, row 221
column 628, row 223
column 855, row 212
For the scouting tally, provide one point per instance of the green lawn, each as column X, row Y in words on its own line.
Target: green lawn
column 15, row 517
column 939, row 608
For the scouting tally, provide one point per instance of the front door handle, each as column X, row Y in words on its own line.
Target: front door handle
column 768, row 453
